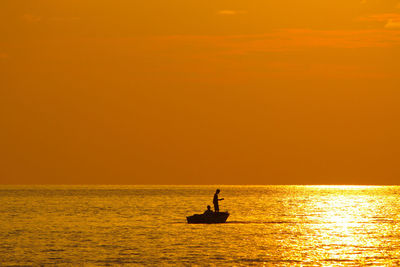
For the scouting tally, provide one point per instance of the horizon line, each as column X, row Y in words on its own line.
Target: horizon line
column 328, row 185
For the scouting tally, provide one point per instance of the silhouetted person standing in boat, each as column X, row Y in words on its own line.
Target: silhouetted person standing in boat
column 215, row 201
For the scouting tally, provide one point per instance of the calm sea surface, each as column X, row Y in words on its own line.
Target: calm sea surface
column 146, row 225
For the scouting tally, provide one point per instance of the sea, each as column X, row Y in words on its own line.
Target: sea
column 146, row 226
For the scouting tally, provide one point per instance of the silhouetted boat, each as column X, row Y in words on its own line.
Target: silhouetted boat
column 215, row 217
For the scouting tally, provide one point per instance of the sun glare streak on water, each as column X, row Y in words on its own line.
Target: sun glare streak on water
column 271, row 225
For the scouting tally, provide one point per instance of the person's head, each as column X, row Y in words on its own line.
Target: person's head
column 217, row 192
column 208, row 207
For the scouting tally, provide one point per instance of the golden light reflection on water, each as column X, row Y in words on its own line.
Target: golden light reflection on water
column 145, row 225
column 345, row 226
column 343, row 187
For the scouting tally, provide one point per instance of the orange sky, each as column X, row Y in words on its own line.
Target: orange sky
column 199, row 92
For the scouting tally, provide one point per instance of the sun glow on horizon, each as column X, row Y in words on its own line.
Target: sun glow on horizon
column 346, row 187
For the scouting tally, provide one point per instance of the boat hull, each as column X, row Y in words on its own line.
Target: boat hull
column 216, row 217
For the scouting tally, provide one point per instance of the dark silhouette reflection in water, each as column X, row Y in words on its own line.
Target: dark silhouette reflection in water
column 261, row 222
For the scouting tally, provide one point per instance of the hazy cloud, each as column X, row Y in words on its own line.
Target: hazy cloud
column 3, row 55
column 291, row 40
column 392, row 20
column 393, row 24
column 381, row 17
column 31, row 18
column 231, row 12
column 64, row 19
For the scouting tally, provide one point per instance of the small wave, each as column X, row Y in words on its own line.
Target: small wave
column 338, row 260
column 269, row 261
column 53, row 250
column 261, row 222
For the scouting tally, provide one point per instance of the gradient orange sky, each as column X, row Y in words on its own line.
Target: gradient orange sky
column 199, row 92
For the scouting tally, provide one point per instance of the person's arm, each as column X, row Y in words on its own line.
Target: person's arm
column 221, row 199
